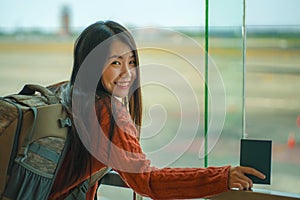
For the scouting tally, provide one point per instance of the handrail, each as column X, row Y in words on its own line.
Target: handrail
column 112, row 178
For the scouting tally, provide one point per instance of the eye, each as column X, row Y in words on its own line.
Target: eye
column 132, row 63
column 116, row 63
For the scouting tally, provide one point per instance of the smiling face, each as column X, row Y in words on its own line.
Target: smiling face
column 120, row 70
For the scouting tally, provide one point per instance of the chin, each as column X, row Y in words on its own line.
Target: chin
column 121, row 94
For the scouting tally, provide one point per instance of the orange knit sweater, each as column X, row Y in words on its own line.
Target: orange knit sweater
column 124, row 155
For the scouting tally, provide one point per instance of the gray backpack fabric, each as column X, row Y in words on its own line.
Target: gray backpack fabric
column 33, row 140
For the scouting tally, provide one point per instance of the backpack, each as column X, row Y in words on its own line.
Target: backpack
column 33, row 140
column 34, row 128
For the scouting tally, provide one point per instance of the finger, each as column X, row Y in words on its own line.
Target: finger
column 237, row 185
column 245, row 184
column 252, row 171
column 245, row 178
column 240, row 183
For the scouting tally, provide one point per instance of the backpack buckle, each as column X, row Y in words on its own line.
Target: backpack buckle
column 65, row 122
column 84, row 187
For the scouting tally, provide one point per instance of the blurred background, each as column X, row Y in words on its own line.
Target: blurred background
column 36, row 46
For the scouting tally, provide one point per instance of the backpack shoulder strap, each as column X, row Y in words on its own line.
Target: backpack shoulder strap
column 79, row 193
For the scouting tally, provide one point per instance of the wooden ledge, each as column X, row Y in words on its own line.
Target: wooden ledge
column 256, row 194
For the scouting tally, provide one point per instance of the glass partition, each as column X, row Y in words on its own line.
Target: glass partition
column 271, row 88
column 226, row 50
column 273, row 104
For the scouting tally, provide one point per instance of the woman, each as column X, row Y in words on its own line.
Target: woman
column 112, row 138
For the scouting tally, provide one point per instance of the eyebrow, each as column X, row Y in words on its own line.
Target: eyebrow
column 116, row 56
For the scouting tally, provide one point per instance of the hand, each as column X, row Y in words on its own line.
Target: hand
column 238, row 179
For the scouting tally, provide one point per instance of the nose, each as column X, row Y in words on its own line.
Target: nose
column 126, row 72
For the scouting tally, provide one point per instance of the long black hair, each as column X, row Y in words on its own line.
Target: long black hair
column 80, row 159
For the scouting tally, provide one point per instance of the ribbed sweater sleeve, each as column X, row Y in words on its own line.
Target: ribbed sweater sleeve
column 124, row 154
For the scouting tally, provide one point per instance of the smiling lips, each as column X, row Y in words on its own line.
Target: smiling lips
column 123, row 85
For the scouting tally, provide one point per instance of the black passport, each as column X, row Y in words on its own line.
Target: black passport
column 257, row 154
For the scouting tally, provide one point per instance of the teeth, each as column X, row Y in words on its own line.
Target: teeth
column 123, row 84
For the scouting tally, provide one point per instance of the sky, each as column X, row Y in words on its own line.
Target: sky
column 181, row 13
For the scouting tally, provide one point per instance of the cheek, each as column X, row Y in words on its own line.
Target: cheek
column 109, row 74
column 133, row 74
column 108, row 77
